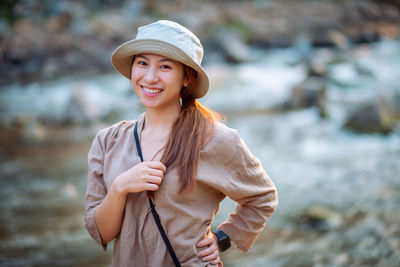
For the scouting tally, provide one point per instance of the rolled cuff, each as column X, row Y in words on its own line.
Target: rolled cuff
column 91, row 226
column 234, row 234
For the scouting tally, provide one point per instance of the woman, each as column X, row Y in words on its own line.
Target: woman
column 191, row 162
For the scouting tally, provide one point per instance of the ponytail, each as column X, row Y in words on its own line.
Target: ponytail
column 193, row 127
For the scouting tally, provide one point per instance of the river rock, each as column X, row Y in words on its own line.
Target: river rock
column 392, row 103
column 109, row 26
column 369, row 118
column 233, row 46
column 310, row 93
column 102, row 25
column 319, row 218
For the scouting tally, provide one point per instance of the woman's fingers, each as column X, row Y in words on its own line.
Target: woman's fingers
column 216, row 261
column 156, row 165
column 204, row 242
column 208, row 251
column 211, row 257
column 142, row 177
column 153, row 179
column 155, row 172
column 150, row 187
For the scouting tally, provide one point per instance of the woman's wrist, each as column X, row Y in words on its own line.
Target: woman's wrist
column 117, row 187
column 223, row 240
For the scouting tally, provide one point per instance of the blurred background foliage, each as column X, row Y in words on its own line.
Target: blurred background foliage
column 311, row 85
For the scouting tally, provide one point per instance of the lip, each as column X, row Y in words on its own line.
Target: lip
column 151, row 91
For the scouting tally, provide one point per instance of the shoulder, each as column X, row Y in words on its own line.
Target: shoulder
column 112, row 133
column 117, row 128
column 223, row 133
column 223, row 139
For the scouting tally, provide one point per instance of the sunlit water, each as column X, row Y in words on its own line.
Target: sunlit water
column 314, row 162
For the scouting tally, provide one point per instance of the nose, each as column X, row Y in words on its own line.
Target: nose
column 151, row 75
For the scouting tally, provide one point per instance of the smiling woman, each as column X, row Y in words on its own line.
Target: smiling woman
column 173, row 165
column 158, row 81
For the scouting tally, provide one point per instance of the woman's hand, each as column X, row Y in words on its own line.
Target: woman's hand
column 141, row 177
column 207, row 249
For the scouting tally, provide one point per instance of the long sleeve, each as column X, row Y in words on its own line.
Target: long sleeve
column 241, row 177
column 96, row 189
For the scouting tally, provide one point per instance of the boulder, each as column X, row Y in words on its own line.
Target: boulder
column 319, row 218
column 233, row 46
column 310, row 93
column 370, row 118
column 392, row 103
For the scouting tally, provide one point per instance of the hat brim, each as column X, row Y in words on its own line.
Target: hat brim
column 122, row 60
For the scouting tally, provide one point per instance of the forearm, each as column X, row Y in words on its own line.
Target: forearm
column 109, row 214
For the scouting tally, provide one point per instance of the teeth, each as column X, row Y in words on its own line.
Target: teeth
column 151, row 91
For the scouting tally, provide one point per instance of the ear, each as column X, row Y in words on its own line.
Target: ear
column 186, row 82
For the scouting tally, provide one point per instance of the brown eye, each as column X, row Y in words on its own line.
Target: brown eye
column 164, row 67
column 141, row 62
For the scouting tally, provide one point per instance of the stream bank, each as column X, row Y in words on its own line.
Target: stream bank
column 338, row 186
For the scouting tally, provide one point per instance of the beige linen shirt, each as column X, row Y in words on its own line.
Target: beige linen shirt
column 226, row 168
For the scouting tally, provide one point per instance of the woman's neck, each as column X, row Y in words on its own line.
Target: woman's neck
column 156, row 120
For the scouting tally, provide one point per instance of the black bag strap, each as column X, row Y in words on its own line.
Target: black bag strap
column 153, row 208
column 138, row 147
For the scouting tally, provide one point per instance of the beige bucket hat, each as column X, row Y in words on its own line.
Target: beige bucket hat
column 169, row 39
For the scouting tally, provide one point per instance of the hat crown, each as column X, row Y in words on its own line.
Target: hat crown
column 175, row 34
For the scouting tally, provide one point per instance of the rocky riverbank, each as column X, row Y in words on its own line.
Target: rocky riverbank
column 294, row 107
column 320, row 108
column 42, row 40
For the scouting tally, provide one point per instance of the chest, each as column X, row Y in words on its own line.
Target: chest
column 152, row 149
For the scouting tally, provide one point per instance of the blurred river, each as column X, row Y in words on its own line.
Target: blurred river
column 339, row 191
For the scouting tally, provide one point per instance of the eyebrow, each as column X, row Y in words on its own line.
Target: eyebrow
column 162, row 60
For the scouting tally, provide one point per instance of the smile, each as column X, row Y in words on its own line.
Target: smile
column 151, row 91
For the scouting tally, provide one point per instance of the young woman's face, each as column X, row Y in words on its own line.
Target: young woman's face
column 157, row 80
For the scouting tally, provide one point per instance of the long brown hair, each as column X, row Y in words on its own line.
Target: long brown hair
column 191, row 130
